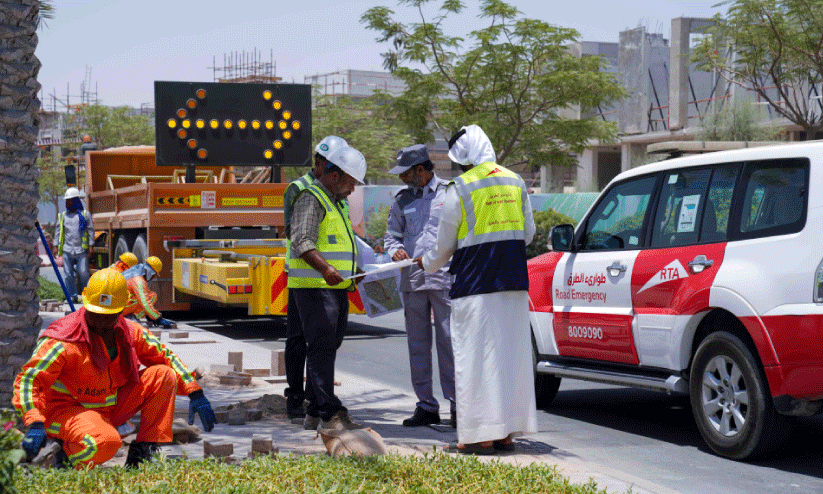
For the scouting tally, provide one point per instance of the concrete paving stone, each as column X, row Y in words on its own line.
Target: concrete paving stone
column 218, row 449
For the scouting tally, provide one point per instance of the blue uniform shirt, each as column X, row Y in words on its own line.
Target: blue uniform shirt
column 412, row 226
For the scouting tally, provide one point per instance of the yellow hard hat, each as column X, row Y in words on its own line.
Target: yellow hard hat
column 106, row 292
column 155, row 263
column 128, row 259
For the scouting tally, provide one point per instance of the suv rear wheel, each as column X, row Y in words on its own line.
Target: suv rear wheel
column 545, row 385
column 730, row 400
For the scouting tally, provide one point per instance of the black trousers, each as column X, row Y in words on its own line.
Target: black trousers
column 324, row 316
column 296, row 359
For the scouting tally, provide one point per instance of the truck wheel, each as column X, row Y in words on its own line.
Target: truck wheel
column 121, row 247
column 545, row 385
column 141, row 248
column 731, row 402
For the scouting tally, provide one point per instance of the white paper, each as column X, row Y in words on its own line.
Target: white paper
column 688, row 213
column 382, row 268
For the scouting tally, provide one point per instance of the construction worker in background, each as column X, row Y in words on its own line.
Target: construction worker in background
column 486, row 221
column 295, row 353
column 126, row 261
column 84, row 380
column 74, row 233
column 411, row 232
column 141, row 298
column 322, row 254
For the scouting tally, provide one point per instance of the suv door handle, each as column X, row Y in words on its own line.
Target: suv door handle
column 699, row 263
column 615, row 269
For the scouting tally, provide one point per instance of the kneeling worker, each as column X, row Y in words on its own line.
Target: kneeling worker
column 141, row 299
column 126, row 261
column 84, row 380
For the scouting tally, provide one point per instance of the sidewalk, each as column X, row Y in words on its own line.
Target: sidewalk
column 371, row 403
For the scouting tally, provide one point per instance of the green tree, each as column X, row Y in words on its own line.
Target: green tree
column 771, row 47
column 543, row 222
column 52, row 181
column 365, row 125
column 378, row 222
column 115, row 126
column 736, row 121
column 516, row 78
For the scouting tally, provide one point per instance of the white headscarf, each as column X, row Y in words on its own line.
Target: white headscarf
column 472, row 148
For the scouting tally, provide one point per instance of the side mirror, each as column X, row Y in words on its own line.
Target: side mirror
column 562, row 237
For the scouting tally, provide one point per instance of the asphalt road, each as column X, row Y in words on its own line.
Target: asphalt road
column 650, row 435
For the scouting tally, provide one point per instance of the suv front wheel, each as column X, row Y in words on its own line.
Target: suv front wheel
column 730, row 400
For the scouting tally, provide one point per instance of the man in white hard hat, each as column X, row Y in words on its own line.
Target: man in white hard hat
column 75, row 233
column 486, row 221
column 295, row 343
column 323, row 253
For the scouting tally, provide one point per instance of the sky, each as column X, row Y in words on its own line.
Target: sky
column 120, row 47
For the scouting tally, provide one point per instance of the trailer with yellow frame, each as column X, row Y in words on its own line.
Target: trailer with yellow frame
column 248, row 273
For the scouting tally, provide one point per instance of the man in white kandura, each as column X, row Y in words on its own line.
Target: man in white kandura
column 486, row 222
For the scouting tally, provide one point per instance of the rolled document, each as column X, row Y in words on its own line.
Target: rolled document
column 380, row 268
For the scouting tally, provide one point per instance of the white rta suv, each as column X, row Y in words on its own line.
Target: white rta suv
column 699, row 275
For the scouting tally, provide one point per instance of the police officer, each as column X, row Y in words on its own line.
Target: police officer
column 412, row 230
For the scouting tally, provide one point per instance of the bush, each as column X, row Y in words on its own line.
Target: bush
column 544, row 221
column 49, row 290
column 10, row 452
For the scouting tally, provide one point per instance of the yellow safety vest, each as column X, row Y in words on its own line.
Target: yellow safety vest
column 301, row 184
column 491, row 238
column 84, row 238
column 335, row 242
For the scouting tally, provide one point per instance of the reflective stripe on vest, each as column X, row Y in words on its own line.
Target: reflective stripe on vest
column 491, row 247
column 84, row 238
column 335, row 242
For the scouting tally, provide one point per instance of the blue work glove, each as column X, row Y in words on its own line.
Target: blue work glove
column 201, row 405
column 34, row 440
column 166, row 323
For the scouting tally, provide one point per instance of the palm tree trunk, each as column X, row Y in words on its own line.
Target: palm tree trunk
column 19, row 263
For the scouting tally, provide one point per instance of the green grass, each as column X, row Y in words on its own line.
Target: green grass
column 49, row 290
column 437, row 472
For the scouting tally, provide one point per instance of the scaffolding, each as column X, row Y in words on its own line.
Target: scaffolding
column 245, row 67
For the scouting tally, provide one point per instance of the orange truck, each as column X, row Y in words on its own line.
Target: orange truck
column 219, row 234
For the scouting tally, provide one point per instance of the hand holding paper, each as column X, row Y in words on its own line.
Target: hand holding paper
column 380, row 268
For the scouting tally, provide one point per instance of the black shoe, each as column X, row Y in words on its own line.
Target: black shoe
column 140, row 452
column 422, row 417
column 294, row 409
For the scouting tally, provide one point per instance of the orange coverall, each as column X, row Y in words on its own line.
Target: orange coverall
column 141, row 299
column 119, row 266
column 78, row 402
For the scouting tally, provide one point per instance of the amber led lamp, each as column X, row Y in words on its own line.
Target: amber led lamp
column 214, row 124
column 191, row 103
column 202, row 153
column 295, row 125
column 277, row 144
column 181, row 133
column 172, row 123
column 192, row 143
column 182, row 113
column 268, row 154
column 201, row 93
column 277, row 104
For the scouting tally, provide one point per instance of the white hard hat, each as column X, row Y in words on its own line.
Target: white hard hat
column 73, row 192
column 328, row 145
column 350, row 161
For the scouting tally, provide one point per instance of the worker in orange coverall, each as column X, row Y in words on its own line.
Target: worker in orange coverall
column 84, row 380
column 126, row 261
column 141, row 299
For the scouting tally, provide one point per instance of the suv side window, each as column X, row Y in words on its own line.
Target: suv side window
column 715, row 222
column 774, row 201
column 617, row 221
column 682, row 198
